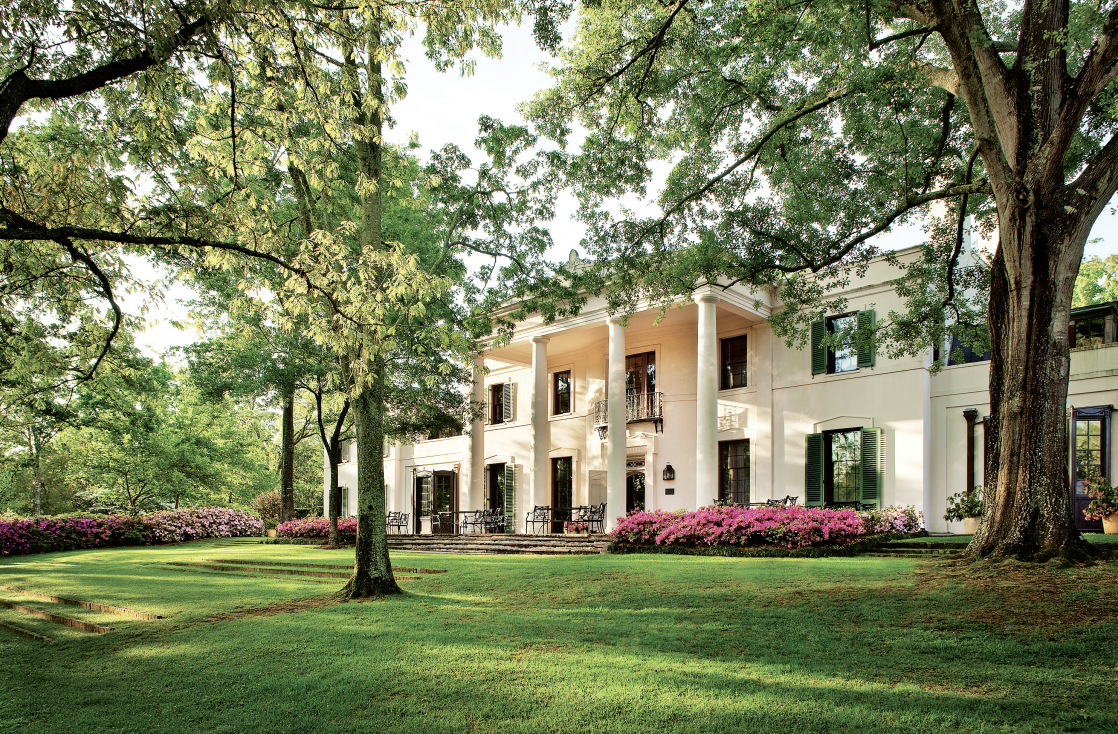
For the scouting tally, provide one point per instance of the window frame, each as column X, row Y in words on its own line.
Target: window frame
column 650, row 360
column 832, row 356
column 725, row 493
column 829, row 466
column 496, row 403
column 726, row 373
column 556, row 394
column 1086, row 415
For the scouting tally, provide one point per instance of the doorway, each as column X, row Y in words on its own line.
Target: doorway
column 634, row 492
column 1090, row 455
column 445, row 503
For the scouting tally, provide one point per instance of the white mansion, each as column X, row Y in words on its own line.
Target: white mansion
column 707, row 405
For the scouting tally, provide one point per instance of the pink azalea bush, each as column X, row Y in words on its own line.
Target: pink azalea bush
column 893, row 520
column 792, row 527
column 19, row 536
column 317, row 527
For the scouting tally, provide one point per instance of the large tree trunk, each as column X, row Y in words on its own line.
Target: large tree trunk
column 287, row 462
column 372, row 569
column 1026, row 487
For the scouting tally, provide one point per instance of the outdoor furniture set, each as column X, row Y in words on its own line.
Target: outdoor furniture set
column 544, row 519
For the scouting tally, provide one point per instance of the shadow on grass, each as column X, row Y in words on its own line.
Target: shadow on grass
column 603, row 645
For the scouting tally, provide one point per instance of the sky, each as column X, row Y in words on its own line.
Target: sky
column 443, row 108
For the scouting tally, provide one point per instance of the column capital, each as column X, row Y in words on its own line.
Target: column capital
column 707, row 297
column 540, row 339
column 614, row 320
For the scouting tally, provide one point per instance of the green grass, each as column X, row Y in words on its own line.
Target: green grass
column 622, row 644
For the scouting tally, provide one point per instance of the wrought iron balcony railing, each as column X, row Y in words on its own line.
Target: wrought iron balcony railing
column 639, row 408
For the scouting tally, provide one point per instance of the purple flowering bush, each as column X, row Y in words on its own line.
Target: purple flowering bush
column 23, row 535
column 317, row 527
column 792, row 527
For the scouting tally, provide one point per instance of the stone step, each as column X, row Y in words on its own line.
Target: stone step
column 933, row 546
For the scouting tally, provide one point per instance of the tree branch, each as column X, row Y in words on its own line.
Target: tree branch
column 18, row 88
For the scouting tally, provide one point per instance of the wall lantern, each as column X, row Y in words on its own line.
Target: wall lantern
column 669, row 473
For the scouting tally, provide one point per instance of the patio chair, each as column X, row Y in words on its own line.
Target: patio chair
column 791, row 501
column 497, row 522
column 398, row 520
column 596, row 518
column 538, row 521
column 474, row 521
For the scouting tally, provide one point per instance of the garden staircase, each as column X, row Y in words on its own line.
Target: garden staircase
column 501, row 544
column 944, row 549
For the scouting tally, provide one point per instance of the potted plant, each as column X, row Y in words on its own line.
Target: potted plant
column 575, row 527
column 966, row 506
column 1104, row 502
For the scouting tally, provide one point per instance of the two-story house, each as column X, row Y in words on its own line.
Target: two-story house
column 702, row 403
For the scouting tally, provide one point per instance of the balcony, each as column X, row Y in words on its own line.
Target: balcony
column 639, row 408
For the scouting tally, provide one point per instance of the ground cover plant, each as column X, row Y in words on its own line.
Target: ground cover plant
column 596, row 643
column 789, row 527
column 22, row 535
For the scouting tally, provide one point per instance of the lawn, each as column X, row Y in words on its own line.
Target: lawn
column 622, row 644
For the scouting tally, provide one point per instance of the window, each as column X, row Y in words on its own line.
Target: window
column 496, row 403
column 827, row 360
column 845, row 466
column 343, row 511
column 733, row 362
column 1090, row 332
column 423, row 486
column 640, row 373
column 561, row 400
column 845, row 359
column 562, row 482
column 733, row 472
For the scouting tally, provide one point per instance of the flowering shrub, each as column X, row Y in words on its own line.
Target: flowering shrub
column 1104, row 498
column 576, row 526
column 741, row 526
column 317, row 527
column 893, row 520
column 45, row 534
column 793, row 527
column 267, row 506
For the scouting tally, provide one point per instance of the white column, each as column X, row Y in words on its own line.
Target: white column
column 706, row 401
column 473, row 489
column 615, row 393
column 541, row 428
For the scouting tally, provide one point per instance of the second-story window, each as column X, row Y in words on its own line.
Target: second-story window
column 845, row 359
column 561, row 400
column 640, row 373
column 733, row 362
column 1090, row 332
column 497, row 403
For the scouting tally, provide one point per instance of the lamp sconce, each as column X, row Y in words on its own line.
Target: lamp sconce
column 669, row 473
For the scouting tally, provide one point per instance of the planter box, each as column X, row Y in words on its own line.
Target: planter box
column 1110, row 523
column 971, row 525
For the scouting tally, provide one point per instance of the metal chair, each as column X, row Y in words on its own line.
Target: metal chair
column 473, row 520
column 596, row 518
column 398, row 520
column 538, row 518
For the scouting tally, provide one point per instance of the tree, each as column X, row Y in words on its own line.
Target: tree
column 797, row 132
column 1097, row 281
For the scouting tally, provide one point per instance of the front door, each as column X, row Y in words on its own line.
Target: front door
column 445, row 502
column 562, row 491
column 1090, row 428
column 733, row 472
column 421, row 502
column 634, row 492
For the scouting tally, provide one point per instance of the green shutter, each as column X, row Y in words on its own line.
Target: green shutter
column 818, row 351
column 813, row 471
column 508, row 402
column 873, row 465
column 866, row 349
column 509, row 499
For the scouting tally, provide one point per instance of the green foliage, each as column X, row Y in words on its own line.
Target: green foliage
column 963, row 505
column 1097, row 281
